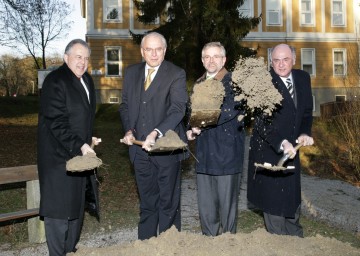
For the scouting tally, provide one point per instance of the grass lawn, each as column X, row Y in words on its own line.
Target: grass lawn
column 118, row 191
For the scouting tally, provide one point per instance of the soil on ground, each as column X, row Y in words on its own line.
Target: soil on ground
column 259, row 242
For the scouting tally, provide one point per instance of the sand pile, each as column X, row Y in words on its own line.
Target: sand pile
column 259, row 242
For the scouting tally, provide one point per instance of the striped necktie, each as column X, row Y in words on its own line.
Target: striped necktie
column 290, row 87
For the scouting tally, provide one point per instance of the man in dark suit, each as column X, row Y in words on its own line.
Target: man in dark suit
column 148, row 110
column 278, row 193
column 66, row 116
column 219, row 152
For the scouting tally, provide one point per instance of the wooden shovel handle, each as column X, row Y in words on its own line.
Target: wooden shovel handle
column 136, row 142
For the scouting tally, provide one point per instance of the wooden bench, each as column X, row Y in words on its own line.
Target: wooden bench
column 29, row 175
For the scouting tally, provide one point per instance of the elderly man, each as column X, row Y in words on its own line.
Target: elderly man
column 66, row 116
column 153, row 102
column 278, row 194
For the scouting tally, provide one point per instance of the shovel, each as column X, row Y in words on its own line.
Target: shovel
column 169, row 142
column 280, row 164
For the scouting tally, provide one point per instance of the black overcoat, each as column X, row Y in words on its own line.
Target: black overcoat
column 65, row 123
column 279, row 193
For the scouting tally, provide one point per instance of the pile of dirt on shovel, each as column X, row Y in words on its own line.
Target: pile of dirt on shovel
column 169, row 141
column 253, row 85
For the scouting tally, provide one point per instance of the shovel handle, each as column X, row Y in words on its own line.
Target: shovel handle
column 136, row 142
column 287, row 156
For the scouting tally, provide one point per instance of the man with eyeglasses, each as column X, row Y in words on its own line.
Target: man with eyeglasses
column 154, row 101
column 66, row 117
column 219, row 152
column 278, row 193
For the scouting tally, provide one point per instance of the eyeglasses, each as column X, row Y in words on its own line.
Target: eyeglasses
column 284, row 60
column 215, row 57
column 151, row 50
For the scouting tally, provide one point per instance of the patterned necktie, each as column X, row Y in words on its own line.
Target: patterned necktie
column 148, row 78
column 290, row 87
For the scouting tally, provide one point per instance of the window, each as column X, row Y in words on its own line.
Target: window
column 338, row 13
column 112, row 10
column 113, row 63
column 340, row 98
column 339, row 62
column 114, row 100
column 308, row 60
column 307, row 13
column 246, row 9
column 273, row 12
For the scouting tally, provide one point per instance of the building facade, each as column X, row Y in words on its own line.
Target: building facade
column 325, row 34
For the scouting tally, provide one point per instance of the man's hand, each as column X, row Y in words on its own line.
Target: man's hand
column 305, row 140
column 95, row 141
column 288, row 149
column 191, row 134
column 85, row 149
column 128, row 138
column 150, row 140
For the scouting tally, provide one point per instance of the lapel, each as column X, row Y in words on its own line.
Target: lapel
column 280, row 85
column 76, row 84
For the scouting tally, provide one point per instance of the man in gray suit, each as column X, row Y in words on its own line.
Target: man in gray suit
column 66, row 116
column 153, row 102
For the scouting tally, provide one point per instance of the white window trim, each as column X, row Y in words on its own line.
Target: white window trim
column 114, row 100
column 312, row 13
column 279, row 11
column 115, row 62
column 249, row 10
column 313, row 60
column 314, row 106
column 118, row 7
column 343, row 50
column 341, row 95
column 343, row 13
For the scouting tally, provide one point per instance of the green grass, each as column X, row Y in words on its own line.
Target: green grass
column 118, row 191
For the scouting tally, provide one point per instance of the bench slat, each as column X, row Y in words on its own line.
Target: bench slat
column 19, row 214
column 18, row 174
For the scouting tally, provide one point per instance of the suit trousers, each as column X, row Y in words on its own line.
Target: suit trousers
column 62, row 235
column 159, row 190
column 218, row 203
column 284, row 226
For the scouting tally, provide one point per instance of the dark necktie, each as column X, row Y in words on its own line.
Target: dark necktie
column 290, row 87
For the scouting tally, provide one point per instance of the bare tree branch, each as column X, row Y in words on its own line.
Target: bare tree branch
column 33, row 24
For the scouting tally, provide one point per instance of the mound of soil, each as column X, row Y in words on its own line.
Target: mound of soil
column 259, row 242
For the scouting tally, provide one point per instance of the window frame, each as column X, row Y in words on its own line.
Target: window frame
column 118, row 7
column 306, row 62
column 107, row 62
column 277, row 9
column 340, row 96
column 335, row 63
column 249, row 10
column 343, row 13
column 304, row 12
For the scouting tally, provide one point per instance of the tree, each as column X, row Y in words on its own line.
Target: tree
column 33, row 24
column 189, row 24
column 15, row 75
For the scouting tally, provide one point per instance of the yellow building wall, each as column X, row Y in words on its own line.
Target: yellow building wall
column 324, row 61
column 130, row 54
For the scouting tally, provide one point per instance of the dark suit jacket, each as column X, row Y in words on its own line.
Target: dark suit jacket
column 65, row 123
column 279, row 193
column 163, row 105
